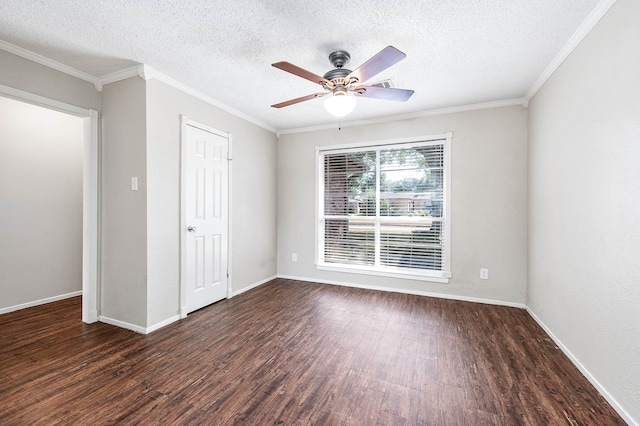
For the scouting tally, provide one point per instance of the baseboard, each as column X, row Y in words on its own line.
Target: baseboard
column 162, row 324
column 414, row 292
column 252, row 286
column 40, row 302
column 89, row 317
column 183, row 313
column 122, row 324
column 610, row 399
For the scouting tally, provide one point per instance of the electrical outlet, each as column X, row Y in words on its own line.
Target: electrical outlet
column 484, row 274
column 294, row 257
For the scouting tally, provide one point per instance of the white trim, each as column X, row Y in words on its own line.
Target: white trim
column 117, row 76
column 430, row 113
column 205, row 98
column 405, row 291
column 319, row 207
column 229, row 215
column 252, row 286
column 39, row 302
column 32, row 98
column 582, row 31
column 145, row 72
column 209, row 129
column 610, row 399
column 183, row 214
column 447, row 205
column 123, row 324
column 42, row 60
column 90, row 193
column 162, row 324
column 363, row 270
column 90, row 223
column 409, row 142
column 137, row 328
column 142, row 70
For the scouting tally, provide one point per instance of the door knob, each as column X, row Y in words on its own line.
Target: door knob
column 191, row 229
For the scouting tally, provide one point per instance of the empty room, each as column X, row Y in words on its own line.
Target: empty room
column 275, row 212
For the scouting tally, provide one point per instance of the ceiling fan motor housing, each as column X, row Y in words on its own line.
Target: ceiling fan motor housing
column 337, row 73
column 338, row 58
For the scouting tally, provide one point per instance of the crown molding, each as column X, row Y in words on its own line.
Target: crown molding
column 146, row 73
column 430, row 113
column 117, row 76
column 582, row 31
column 199, row 95
column 42, row 60
column 142, row 70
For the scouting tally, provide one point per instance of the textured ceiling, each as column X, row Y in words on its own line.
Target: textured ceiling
column 459, row 52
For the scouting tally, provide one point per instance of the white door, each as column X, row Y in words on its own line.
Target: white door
column 206, row 217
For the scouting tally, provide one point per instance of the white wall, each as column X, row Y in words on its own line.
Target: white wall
column 488, row 184
column 584, row 204
column 40, row 203
column 253, row 209
column 124, row 212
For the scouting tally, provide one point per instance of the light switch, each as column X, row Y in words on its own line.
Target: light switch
column 484, row 274
column 134, row 183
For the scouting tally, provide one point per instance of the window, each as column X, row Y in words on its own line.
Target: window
column 383, row 208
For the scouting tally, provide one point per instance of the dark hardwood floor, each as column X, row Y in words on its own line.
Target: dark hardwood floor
column 295, row 353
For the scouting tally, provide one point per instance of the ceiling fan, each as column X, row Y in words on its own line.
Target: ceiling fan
column 341, row 83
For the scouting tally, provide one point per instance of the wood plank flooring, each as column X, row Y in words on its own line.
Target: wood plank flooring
column 295, row 353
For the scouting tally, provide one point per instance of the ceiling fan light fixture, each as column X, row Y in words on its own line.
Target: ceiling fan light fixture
column 340, row 104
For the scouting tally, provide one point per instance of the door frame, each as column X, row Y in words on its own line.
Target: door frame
column 184, row 122
column 90, row 194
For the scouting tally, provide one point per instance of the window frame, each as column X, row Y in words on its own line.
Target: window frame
column 393, row 272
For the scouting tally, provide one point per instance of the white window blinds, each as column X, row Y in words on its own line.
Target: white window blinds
column 382, row 208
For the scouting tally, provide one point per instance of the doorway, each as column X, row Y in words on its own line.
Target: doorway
column 204, row 216
column 89, row 220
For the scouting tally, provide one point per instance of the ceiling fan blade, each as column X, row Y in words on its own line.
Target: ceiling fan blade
column 298, row 100
column 378, row 63
column 300, row 72
column 386, row 93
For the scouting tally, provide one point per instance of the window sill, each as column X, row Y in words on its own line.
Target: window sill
column 391, row 273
